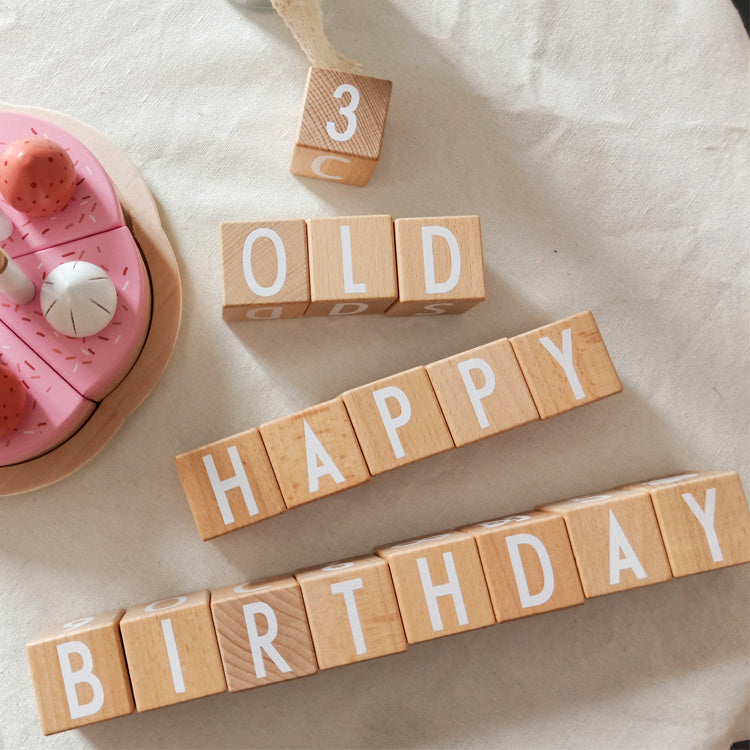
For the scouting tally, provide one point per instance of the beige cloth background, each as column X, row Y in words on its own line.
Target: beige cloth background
column 605, row 147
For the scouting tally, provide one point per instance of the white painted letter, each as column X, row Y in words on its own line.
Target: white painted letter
column 265, row 313
column 564, row 358
column 350, row 286
column 222, row 486
column 319, row 161
column 437, row 308
column 431, row 285
column 619, row 544
column 347, row 588
column 247, row 262
column 348, row 308
column 451, row 588
column 528, row 599
column 392, row 422
column 260, row 643
column 477, row 394
column 174, row 657
column 72, row 677
column 705, row 518
column 319, row 462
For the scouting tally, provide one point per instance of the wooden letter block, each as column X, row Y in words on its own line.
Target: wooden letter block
column 170, row 646
column 482, row 392
column 314, row 453
column 615, row 540
column 566, row 364
column 439, row 584
column 265, row 269
column 262, row 632
column 230, row 484
column 397, row 420
column 704, row 520
column 79, row 673
column 528, row 564
column 341, row 131
column 440, row 265
column 352, row 610
column 352, row 265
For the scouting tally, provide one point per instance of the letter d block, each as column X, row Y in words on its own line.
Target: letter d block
column 440, row 585
column 440, row 265
column 171, row 650
column 264, row 269
column 79, row 673
column 342, row 126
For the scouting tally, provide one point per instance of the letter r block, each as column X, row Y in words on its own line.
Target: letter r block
column 342, row 126
column 79, row 673
column 265, row 269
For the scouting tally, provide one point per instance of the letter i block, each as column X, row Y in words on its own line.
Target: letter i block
column 566, row 364
column 482, row 392
column 263, row 633
column 264, row 269
column 79, row 673
column 171, row 650
column 352, row 265
column 342, row 126
column 439, row 584
column 397, row 420
column 314, row 453
column 528, row 564
column 615, row 539
column 230, row 484
column 352, row 609
column 704, row 520
column 440, row 265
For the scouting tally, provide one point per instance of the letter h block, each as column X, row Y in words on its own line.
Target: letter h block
column 342, row 126
column 79, row 673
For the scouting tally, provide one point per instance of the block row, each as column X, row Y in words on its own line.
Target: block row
column 351, row 265
column 289, row 626
column 346, row 441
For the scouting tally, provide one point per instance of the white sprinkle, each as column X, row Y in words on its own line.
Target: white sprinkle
column 91, row 216
column 75, row 369
column 117, row 340
column 88, row 169
column 29, row 432
column 125, row 285
column 83, row 203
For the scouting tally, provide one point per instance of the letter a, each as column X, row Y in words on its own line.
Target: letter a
column 319, row 462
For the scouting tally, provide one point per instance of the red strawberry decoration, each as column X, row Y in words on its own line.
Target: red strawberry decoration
column 12, row 401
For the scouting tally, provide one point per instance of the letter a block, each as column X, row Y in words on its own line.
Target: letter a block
column 314, row 453
column 352, row 611
column 265, row 269
column 263, row 633
column 230, row 484
column 704, row 520
column 528, row 564
column 440, row 265
column 342, row 126
column 171, row 650
column 440, row 585
column 79, row 673
column 566, row 364
column 615, row 539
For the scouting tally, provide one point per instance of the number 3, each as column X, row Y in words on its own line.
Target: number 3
column 348, row 112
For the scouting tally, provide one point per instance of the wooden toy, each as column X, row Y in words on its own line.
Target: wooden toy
column 397, row 420
column 230, row 484
column 78, row 223
column 566, row 364
column 171, row 650
column 265, row 269
column 704, row 520
column 440, row 265
column 440, row 585
column 616, row 540
column 341, row 130
column 263, row 634
column 482, row 392
column 528, row 564
column 352, row 265
column 352, row 609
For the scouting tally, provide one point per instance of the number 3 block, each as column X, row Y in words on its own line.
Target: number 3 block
column 342, row 126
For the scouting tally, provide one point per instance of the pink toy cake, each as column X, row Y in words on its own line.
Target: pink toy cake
column 75, row 296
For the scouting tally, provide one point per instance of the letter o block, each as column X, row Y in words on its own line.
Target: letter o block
column 342, row 126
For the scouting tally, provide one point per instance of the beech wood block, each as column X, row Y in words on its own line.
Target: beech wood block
column 704, row 520
column 342, row 126
column 262, row 631
column 615, row 539
column 439, row 584
column 314, row 453
column 79, row 672
column 352, row 265
column 265, row 269
column 397, row 420
column 352, row 609
column 440, row 265
column 528, row 564
column 171, row 650
column 482, row 392
column 230, row 484
column 566, row 364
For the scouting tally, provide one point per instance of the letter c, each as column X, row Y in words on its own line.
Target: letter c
column 319, row 161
